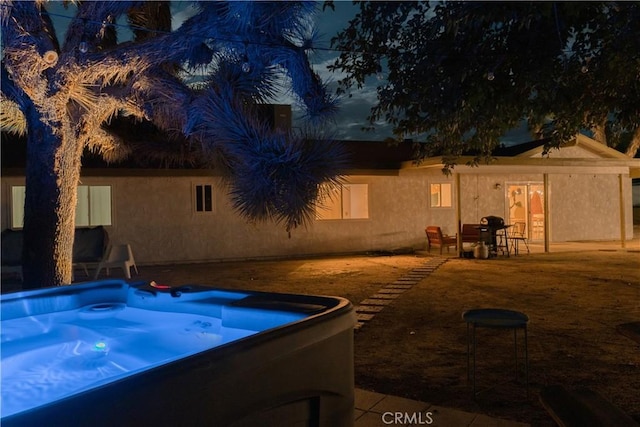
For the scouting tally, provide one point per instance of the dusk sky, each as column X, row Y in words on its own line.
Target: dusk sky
column 354, row 110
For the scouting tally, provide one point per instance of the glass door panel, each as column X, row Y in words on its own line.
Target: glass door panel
column 526, row 206
column 518, row 203
column 536, row 211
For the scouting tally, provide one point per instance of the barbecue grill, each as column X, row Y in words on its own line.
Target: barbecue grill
column 494, row 222
column 488, row 233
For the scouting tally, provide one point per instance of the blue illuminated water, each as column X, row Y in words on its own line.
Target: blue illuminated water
column 54, row 355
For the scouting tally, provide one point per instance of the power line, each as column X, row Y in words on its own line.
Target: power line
column 131, row 27
column 141, row 28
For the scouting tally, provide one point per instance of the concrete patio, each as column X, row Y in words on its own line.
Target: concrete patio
column 377, row 410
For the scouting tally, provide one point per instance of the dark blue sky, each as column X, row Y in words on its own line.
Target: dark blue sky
column 354, row 110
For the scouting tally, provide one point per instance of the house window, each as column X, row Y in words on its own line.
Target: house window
column 204, row 198
column 440, row 195
column 93, row 207
column 17, row 206
column 347, row 201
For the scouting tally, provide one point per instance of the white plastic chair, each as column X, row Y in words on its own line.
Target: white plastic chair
column 118, row 256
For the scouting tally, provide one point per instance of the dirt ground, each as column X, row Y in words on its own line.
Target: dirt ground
column 416, row 346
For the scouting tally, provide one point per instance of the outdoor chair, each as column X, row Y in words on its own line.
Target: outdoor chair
column 471, row 233
column 118, row 256
column 518, row 234
column 435, row 237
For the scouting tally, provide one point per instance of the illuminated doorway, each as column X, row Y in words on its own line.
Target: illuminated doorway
column 525, row 202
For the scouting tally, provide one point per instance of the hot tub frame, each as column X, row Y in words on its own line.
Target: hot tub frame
column 298, row 374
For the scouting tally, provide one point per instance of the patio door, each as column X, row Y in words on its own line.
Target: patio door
column 525, row 202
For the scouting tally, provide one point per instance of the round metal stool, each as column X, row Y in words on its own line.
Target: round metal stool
column 496, row 318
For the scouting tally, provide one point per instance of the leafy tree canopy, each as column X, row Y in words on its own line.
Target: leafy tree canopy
column 461, row 74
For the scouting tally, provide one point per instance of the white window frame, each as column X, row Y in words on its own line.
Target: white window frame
column 444, row 200
column 338, row 201
column 199, row 193
column 93, row 219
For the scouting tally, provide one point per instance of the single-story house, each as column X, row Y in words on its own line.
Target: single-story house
column 579, row 192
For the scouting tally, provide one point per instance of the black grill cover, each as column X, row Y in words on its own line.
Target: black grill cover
column 492, row 221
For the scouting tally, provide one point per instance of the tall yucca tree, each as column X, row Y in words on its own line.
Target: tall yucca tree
column 64, row 93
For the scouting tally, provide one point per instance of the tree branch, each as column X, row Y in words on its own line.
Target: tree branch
column 634, row 146
column 9, row 89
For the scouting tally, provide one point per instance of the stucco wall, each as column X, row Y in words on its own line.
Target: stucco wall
column 587, row 207
column 574, row 152
column 581, row 206
column 481, row 198
column 155, row 214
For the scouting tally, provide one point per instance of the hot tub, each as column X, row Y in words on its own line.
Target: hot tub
column 113, row 353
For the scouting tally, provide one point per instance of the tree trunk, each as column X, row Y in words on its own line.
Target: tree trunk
column 634, row 145
column 52, row 174
column 599, row 132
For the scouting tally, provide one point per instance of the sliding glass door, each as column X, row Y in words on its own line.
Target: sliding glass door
column 525, row 204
